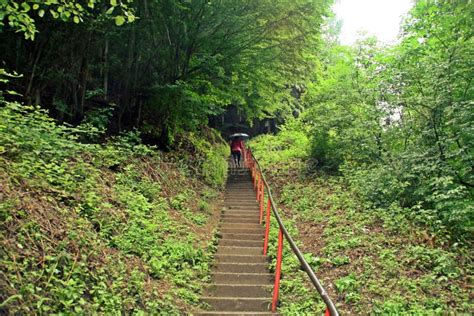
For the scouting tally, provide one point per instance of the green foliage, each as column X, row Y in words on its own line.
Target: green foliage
column 209, row 156
column 176, row 65
column 287, row 149
column 395, row 122
column 21, row 16
column 99, row 228
column 372, row 257
column 348, row 285
column 214, row 167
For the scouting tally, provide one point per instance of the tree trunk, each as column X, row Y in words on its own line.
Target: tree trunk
column 106, row 69
column 83, row 73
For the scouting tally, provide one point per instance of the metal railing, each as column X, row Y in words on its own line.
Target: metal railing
column 261, row 185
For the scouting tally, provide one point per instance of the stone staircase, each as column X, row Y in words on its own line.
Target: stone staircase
column 241, row 281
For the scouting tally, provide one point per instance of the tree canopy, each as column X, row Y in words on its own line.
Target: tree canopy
column 171, row 67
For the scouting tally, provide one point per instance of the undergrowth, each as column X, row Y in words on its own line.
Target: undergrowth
column 370, row 259
column 101, row 228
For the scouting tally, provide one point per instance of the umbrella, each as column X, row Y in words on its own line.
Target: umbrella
column 242, row 135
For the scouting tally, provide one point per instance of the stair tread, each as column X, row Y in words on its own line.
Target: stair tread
column 236, row 298
column 239, row 249
column 234, row 313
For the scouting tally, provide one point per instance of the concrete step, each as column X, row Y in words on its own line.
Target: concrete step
column 256, row 237
column 241, row 197
column 226, row 230
column 249, row 201
column 253, row 215
column 244, row 180
column 238, row 304
column 238, row 290
column 241, row 201
column 243, row 278
column 241, row 242
column 245, row 201
column 235, row 185
column 240, row 191
column 234, row 222
column 241, row 258
column 255, row 210
column 242, row 215
column 246, row 208
column 240, row 220
column 235, row 250
column 239, row 174
column 238, row 170
column 235, row 205
column 211, row 313
column 249, row 198
column 252, row 219
column 254, row 207
column 243, row 226
column 241, row 267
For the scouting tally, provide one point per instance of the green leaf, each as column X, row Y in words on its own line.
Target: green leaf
column 113, row 3
column 26, row 7
column 41, row 13
column 13, row 92
column 76, row 19
column 54, row 14
column 119, row 20
column 110, row 10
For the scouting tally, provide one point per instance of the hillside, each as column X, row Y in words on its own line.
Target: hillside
column 369, row 259
column 103, row 228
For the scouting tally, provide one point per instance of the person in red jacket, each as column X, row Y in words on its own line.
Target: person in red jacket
column 237, row 149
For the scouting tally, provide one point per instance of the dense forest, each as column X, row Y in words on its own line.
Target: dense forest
column 110, row 176
column 161, row 66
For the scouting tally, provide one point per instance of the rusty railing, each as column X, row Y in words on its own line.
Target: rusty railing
column 261, row 185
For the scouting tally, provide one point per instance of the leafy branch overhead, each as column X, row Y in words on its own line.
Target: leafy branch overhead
column 22, row 16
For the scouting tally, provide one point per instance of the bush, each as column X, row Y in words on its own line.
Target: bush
column 286, row 149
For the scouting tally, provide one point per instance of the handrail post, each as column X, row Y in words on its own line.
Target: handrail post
column 258, row 186
column 276, row 286
column 261, row 209
column 255, row 179
column 267, row 229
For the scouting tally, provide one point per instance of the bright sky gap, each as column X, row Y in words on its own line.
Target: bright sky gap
column 380, row 18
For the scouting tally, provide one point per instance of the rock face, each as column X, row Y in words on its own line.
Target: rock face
column 241, row 281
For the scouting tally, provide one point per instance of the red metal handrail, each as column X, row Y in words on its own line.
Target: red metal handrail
column 260, row 185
